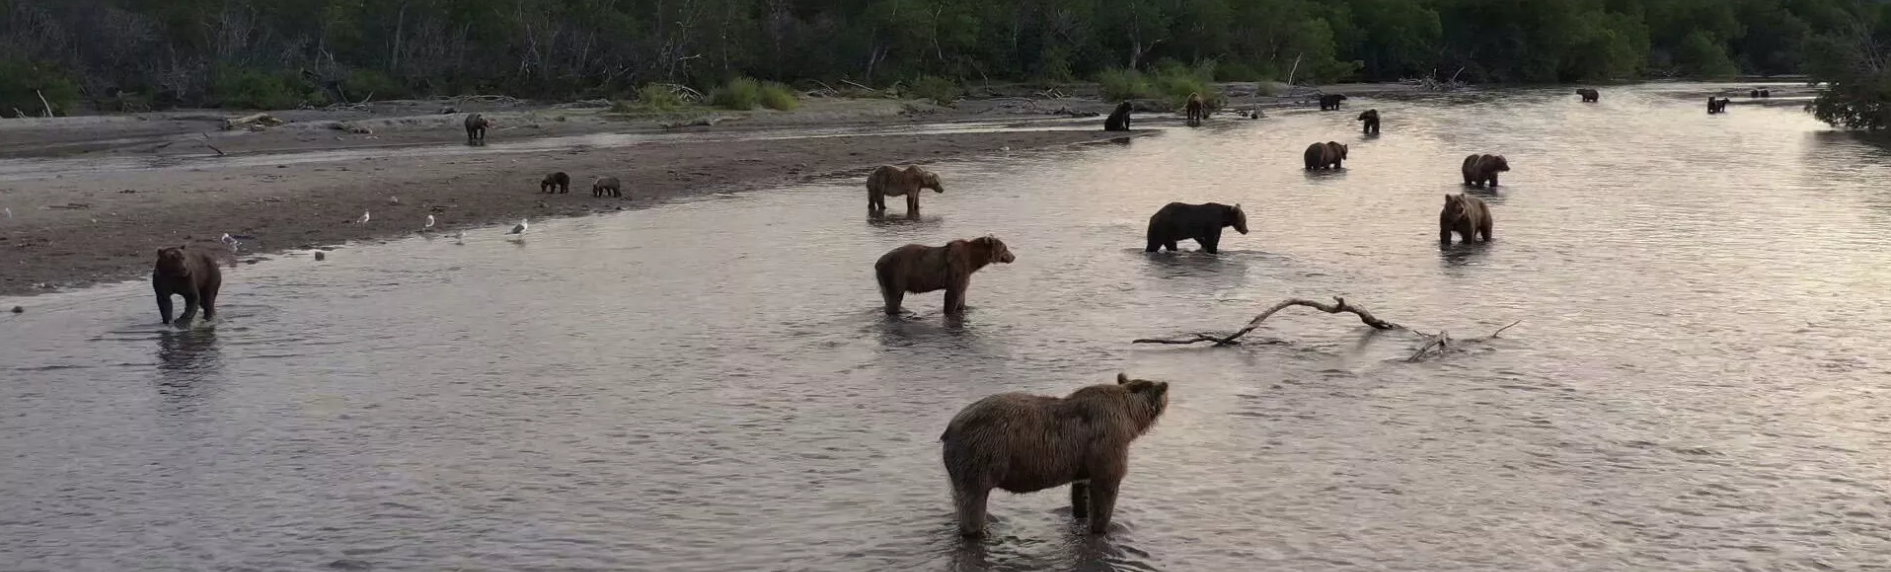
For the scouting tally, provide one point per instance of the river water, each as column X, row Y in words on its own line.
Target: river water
column 1699, row 381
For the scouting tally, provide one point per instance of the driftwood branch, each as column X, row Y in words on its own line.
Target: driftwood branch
column 42, row 103
column 212, row 147
column 1338, row 306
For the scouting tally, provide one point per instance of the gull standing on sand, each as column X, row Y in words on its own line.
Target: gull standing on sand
column 429, row 223
column 364, row 218
column 9, row 213
column 519, row 228
column 230, row 240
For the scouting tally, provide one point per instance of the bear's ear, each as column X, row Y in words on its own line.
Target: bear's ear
column 1121, row 378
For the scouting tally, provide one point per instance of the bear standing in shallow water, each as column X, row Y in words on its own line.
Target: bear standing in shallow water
column 1203, row 223
column 1371, row 120
column 1119, row 119
column 1026, row 443
column 188, row 273
column 917, row 269
column 1465, row 215
column 1480, row 170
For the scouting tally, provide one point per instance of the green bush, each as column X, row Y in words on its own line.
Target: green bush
column 1119, row 85
column 1171, row 82
column 364, row 83
column 778, row 97
column 740, row 94
column 251, row 89
column 940, row 90
column 22, row 83
column 654, row 98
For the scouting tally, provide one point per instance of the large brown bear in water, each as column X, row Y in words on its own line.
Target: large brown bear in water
column 1371, row 121
column 1328, row 155
column 1468, row 216
column 476, row 125
column 1119, row 119
column 1330, row 102
column 189, row 273
column 1480, row 170
column 1203, row 223
column 1026, row 443
column 1589, row 95
column 917, row 269
column 1196, row 108
column 890, row 181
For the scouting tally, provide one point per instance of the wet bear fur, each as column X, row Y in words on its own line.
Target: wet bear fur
column 191, row 274
column 1371, row 121
column 1466, row 215
column 556, row 182
column 1119, row 119
column 1589, row 95
column 476, row 125
column 1328, row 155
column 1202, row 223
column 1481, row 170
column 1025, row 443
column 917, row 269
column 607, row 187
column 1331, row 102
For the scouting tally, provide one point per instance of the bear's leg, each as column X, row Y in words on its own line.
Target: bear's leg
column 1484, row 229
column 912, row 204
column 1493, row 180
column 1171, row 246
column 1444, row 235
column 955, row 296
column 971, row 508
column 1154, row 245
column 1211, row 242
column 209, row 297
column 190, row 308
column 164, row 306
column 1102, row 504
column 1079, row 499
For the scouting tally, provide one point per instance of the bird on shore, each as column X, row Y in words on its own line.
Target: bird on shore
column 459, row 237
column 393, row 200
column 429, row 222
column 364, row 218
column 9, row 213
column 231, row 241
column 519, row 228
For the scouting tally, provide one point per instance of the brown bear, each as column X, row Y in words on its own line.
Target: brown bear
column 189, row 273
column 890, row 181
column 1468, row 216
column 1371, row 121
column 1331, row 102
column 1480, row 170
column 1717, row 105
column 1119, row 119
column 1764, row 93
column 1196, row 109
column 1589, row 95
column 556, row 182
column 918, row 269
column 476, row 125
column 1328, row 155
column 1203, row 223
column 606, row 187
column 1025, row 443
column 1754, row 94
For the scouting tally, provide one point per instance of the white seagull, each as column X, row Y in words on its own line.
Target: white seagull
column 230, row 240
column 9, row 213
column 364, row 218
column 459, row 237
column 393, row 200
column 519, row 228
column 429, row 222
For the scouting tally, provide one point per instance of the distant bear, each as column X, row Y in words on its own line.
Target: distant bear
column 1328, row 155
column 1197, row 110
column 189, row 273
column 1481, row 170
column 890, row 181
column 1468, row 216
column 918, row 269
column 1371, row 119
column 559, row 182
column 1202, row 223
column 476, row 125
column 1330, row 102
column 1025, row 443
column 607, row 187
column 1589, row 95
column 1717, row 105
column 1119, row 119
column 1754, row 94
column 1766, row 93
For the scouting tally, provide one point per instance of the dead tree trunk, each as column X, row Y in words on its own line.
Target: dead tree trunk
column 1434, row 345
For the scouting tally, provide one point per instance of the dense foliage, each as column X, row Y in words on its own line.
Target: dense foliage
column 267, row 53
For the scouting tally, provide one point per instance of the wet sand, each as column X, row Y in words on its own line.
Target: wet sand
column 78, row 227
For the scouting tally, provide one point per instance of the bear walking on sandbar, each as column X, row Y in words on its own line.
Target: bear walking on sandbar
column 1371, row 121
column 1480, row 170
column 1322, row 156
column 192, row 274
column 476, row 125
column 1025, row 443
column 1203, row 223
column 1466, row 215
column 917, row 269
column 1119, row 119
column 607, row 187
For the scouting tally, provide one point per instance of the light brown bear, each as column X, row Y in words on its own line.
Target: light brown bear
column 1467, row 216
column 917, row 269
column 890, row 181
column 1026, row 443
column 1328, row 155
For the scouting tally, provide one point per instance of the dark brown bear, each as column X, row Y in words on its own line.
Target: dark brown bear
column 917, row 269
column 476, row 125
column 1026, row 443
column 1371, row 121
column 1589, row 95
column 1202, row 223
column 556, row 182
column 1331, row 102
column 1465, row 215
column 1754, row 94
column 1196, row 108
column 1328, row 155
column 1480, row 170
column 1119, row 119
column 188, row 273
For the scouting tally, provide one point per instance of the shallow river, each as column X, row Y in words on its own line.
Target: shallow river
column 1699, row 381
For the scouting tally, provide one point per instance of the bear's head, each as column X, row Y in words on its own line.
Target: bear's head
column 1148, row 399
column 1338, row 148
column 1498, row 163
column 1236, row 218
column 1369, row 114
column 1124, row 107
column 171, row 262
column 1454, row 207
column 929, row 180
column 995, row 250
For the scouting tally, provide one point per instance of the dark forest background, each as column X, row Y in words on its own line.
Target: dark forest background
column 278, row 53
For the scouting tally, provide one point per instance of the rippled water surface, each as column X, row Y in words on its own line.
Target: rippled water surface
column 1699, row 381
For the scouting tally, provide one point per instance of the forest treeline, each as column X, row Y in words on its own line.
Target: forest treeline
column 274, row 53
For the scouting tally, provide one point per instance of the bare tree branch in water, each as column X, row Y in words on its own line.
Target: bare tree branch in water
column 1435, row 344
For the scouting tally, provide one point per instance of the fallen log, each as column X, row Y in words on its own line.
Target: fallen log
column 1434, row 345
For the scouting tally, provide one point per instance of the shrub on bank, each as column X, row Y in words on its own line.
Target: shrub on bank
column 740, row 94
column 237, row 88
column 778, row 97
column 23, row 83
column 939, row 90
